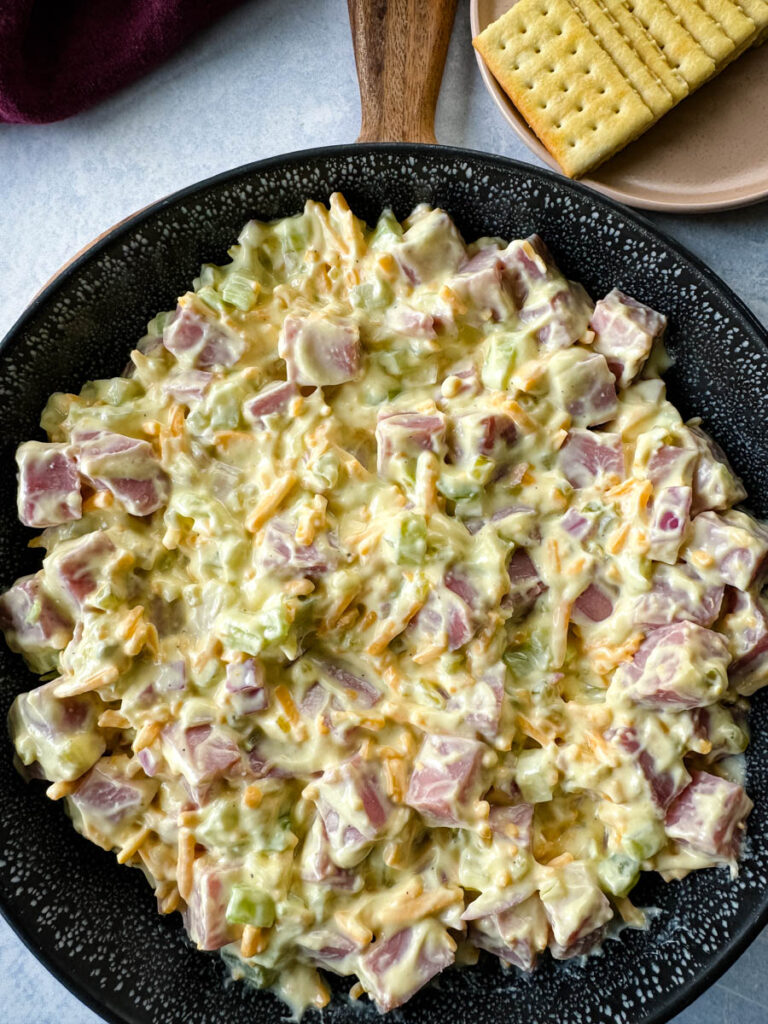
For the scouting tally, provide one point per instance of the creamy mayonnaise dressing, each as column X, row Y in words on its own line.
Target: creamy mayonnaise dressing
column 388, row 609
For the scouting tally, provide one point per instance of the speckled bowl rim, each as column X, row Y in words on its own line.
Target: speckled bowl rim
column 674, row 1002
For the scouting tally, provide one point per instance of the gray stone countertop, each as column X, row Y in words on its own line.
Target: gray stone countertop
column 269, row 78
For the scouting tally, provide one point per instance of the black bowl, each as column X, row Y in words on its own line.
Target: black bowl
column 95, row 925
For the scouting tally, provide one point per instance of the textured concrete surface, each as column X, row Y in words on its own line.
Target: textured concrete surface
column 269, row 78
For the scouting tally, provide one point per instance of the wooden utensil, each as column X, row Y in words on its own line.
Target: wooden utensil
column 400, row 48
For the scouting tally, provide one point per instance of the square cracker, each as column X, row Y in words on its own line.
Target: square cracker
column 757, row 10
column 683, row 53
column 648, row 49
column 564, row 84
column 642, row 78
column 732, row 19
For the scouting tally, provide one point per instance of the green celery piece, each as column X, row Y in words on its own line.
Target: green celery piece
column 237, row 290
column 250, row 906
column 388, row 231
column 157, row 324
column 411, row 547
column 618, row 874
column 251, row 973
column 211, row 298
column 645, row 841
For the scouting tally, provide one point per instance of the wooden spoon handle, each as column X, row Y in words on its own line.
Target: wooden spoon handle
column 400, row 48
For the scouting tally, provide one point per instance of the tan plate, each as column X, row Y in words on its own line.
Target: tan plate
column 709, row 153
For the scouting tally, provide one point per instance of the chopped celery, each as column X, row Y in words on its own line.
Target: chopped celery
column 455, row 483
column 527, row 656
column 238, row 290
column 535, row 775
column 211, row 298
column 645, row 840
column 371, row 296
column 157, row 324
column 247, row 971
column 113, row 391
column 505, row 353
column 251, row 906
column 411, row 546
column 618, row 874
column 388, row 231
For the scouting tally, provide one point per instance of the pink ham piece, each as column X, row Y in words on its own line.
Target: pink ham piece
column 205, row 917
column 669, row 521
column 200, row 753
column 282, row 554
column 677, row 668
column 585, row 388
column 664, row 783
column 410, row 322
column 447, row 779
column 481, row 703
column 330, row 949
column 588, row 458
column 625, row 331
column 671, row 465
column 482, row 433
column 244, row 685
column 76, row 567
column 31, row 619
column 354, row 809
column 576, row 908
column 109, row 796
column 678, row 593
column 595, row 604
column 431, row 247
column 736, row 542
column 525, row 584
column 408, row 434
column 393, row 969
column 57, row 734
column 319, row 352
column 745, row 628
column 560, row 317
column 126, row 467
column 188, row 386
column 316, row 864
column 577, row 525
column 527, row 263
column 516, row 935
column 270, row 401
column 715, row 485
column 197, row 342
column 352, row 685
column 482, row 288
column 444, row 620
column 708, row 816
column 49, row 485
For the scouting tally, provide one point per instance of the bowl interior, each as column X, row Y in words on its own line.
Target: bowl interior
column 95, row 924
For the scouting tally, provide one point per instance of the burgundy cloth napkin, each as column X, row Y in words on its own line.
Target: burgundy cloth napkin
column 58, row 57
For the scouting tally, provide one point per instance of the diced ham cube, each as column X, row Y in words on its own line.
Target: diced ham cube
column 411, row 322
column 709, row 816
column 330, row 949
column 525, row 584
column 244, row 684
column 319, row 352
column 527, row 264
column 32, row 621
column 188, row 385
column 715, row 485
column 431, row 247
column 272, row 399
column 670, row 465
column 583, row 386
column 625, row 331
column 728, row 547
column 575, row 906
column 557, row 317
column 58, row 734
column 447, row 779
column 109, row 796
column 197, row 342
column 595, row 604
column 351, row 684
column 354, row 810
column 75, row 568
column 49, row 485
column 482, row 288
column 206, row 915
column 128, row 468
column 678, row 593
column 393, row 969
column 482, row 433
column 444, row 620
column 408, row 434
column 200, row 753
column 281, row 553
column 588, row 457
column 664, row 781
column 577, row 525
column 676, row 668
column 516, row 935
column 482, row 702
column 669, row 521
column 317, row 865
column 745, row 628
